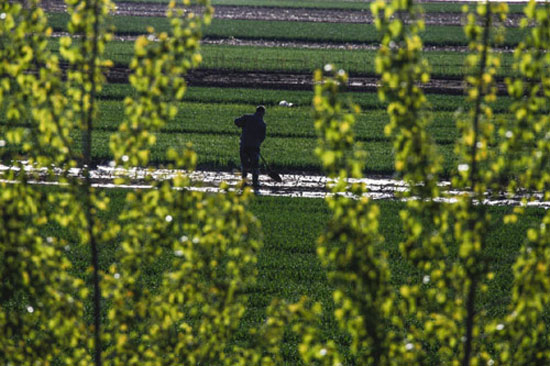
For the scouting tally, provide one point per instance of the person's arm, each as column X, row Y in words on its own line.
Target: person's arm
column 262, row 135
column 240, row 121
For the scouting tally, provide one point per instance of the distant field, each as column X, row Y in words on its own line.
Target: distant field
column 274, row 59
column 435, row 7
column 221, row 151
column 434, row 35
column 206, row 118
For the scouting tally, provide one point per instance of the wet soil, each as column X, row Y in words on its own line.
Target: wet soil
column 292, row 185
column 286, row 80
column 279, row 14
column 303, row 81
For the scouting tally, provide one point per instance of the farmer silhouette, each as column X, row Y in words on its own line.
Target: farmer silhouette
column 252, row 136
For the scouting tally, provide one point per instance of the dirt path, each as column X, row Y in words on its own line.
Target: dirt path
column 293, row 185
column 347, row 46
column 289, row 81
column 279, row 14
column 303, row 81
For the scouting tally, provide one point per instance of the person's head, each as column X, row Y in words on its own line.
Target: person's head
column 260, row 110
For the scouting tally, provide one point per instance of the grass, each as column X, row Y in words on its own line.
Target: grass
column 220, row 151
column 434, row 35
column 288, row 267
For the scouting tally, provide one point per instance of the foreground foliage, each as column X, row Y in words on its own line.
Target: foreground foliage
column 192, row 310
column 437, row 321
column 211, row 241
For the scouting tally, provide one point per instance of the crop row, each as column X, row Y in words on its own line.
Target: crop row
column 356, row 62
column 272, row 97
column 288, row 267
column 435, row 7
column 436, row 35
column 283, row 122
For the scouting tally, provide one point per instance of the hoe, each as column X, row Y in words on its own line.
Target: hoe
column 273, row 175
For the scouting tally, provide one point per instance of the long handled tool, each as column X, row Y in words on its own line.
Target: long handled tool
column 273, row 175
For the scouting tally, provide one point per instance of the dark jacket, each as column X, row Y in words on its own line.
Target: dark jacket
column 253, row 133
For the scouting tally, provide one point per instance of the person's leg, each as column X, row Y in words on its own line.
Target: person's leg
column 244, row 163
column 255, row 164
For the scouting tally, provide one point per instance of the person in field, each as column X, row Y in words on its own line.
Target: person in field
column 252, row 135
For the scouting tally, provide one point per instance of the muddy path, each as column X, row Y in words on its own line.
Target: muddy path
column 280, row 14
column 303, row 81
column 287, row 81
column 292, row 185
column 272, row 43
column 348, row 46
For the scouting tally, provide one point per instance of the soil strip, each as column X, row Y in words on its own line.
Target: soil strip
column 293, row 185
column 290, row 81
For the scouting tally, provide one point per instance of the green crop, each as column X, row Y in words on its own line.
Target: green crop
column 292, row 31
column 282, row 121
column 437, row 320
column 270, row 97
column 358, row 62
column 318, row 4
column 211, row 130
column 288, row 267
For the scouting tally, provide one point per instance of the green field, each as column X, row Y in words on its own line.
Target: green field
column 273, row 59
column 288, row 267
column 434, row 35
column 446, row 64
column 206, row 120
